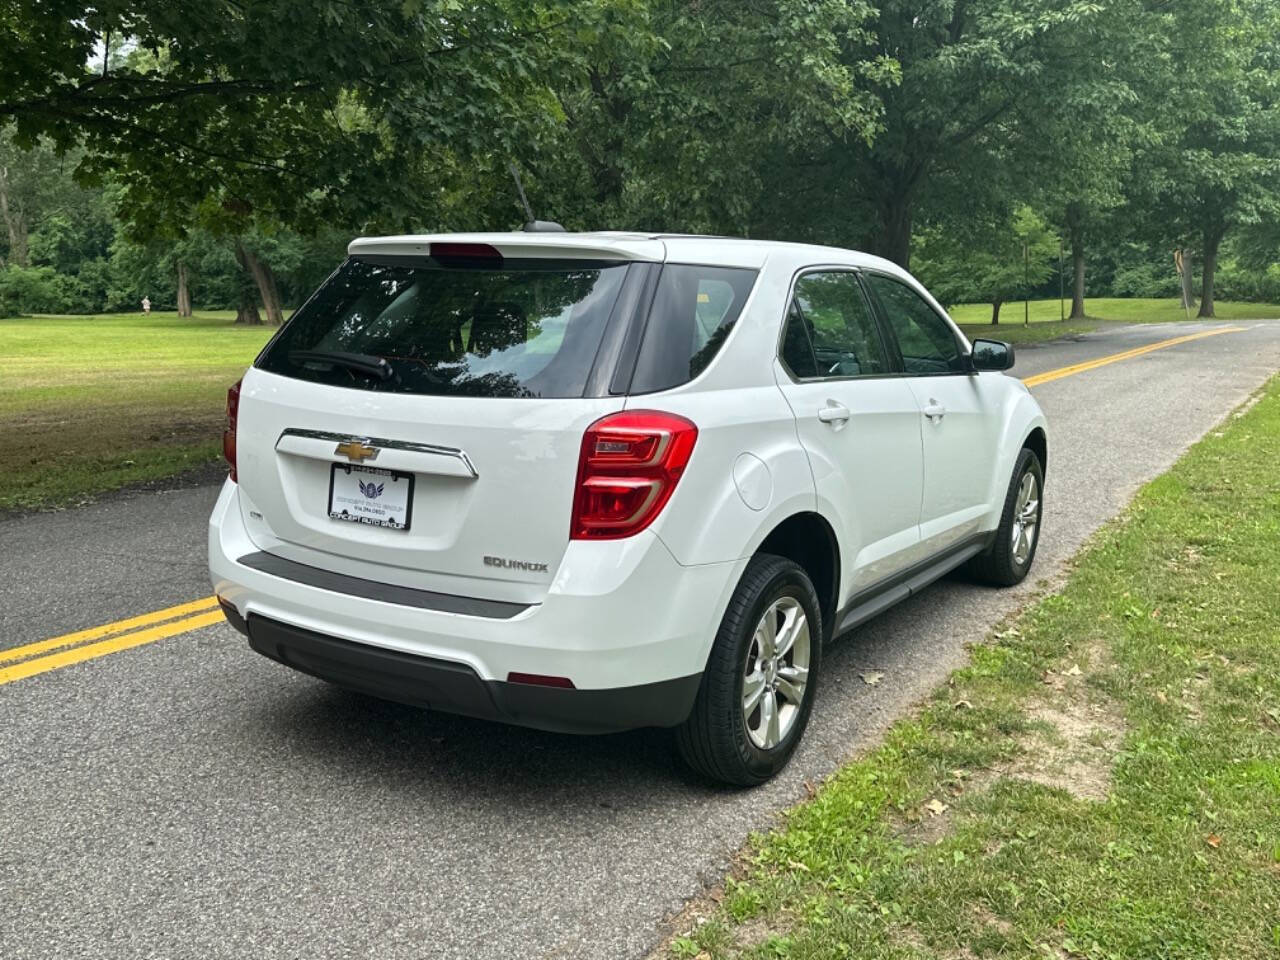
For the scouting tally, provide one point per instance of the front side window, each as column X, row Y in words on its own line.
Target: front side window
column 511, row 329
column 924, row 339
column 830, row 331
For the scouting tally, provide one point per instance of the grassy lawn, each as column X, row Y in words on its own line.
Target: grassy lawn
column 89, row 404
column 975, row 318
column 1102, row 782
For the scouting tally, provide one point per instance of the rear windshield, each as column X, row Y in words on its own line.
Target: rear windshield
column 517, row 329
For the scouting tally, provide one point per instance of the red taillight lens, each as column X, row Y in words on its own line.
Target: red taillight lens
column 628, row 469
column 229, row 434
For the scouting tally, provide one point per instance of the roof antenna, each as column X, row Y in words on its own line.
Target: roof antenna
column 532, row 225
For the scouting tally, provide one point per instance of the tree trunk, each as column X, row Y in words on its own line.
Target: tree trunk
column 1211, row 240
column 1077, row 282
column 247, row 310
column 895, row 230
column 1075, row 229
column 265, row 281
column 1188, row 294
column 995, row 311
column 275, row 314
column 16, row 224
column 184, row 292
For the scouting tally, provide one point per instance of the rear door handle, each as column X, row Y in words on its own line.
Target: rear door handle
column 833, row 412
column 934, row 410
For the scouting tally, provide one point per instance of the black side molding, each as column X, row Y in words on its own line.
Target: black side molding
column 269, row 563
column 452, row 687
column 880, row 596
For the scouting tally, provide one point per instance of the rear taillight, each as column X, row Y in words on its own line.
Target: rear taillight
column 229, row 434
column 628, row 469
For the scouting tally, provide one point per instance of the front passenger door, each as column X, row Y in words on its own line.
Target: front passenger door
column 958, row 414
column 858, row 423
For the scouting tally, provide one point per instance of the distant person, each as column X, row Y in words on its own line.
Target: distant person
column 146, row 305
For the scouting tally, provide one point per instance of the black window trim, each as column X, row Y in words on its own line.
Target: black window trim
column 622, row 380
column 890, row 347
column 887, row 331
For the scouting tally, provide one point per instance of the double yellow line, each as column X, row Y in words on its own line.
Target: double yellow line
column 1051, row 375
column 34, row 658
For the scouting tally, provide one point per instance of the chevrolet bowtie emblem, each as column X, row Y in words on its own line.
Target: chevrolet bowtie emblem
column 356, row 451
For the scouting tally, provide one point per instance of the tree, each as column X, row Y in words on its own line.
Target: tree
column 672, row 112
column 998, row 263
column 308, row 113
column 1217, row 165
column 973, row 72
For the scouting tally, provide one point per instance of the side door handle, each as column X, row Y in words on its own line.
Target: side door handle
column 833, row 412
column 934, row 410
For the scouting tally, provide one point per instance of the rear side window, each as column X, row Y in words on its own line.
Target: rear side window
column 693, row 311
column 514, row 329
column 924, row 339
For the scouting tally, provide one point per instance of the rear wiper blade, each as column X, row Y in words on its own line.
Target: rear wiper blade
column 359, row 362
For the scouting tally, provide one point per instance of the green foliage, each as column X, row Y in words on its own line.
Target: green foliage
column 1007, row 260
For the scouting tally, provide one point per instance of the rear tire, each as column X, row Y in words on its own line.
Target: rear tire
column 758, row 687
column 1008, row 560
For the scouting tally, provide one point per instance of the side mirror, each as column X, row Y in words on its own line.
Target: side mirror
column 991, row 355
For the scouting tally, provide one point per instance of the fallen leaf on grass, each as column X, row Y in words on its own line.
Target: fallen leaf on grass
column 1213, row 840
column 1074, row 671
column 962, row 705
column 797, row 865
column 936, row 807
column 1161, row 696
column 871, row 677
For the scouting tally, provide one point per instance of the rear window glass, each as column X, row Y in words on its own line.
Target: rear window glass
column 516, row 329
column 693, row 311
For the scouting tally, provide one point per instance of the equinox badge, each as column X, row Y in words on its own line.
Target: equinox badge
column 515, row 564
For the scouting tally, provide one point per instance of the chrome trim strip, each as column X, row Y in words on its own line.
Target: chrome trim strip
column 407, row 445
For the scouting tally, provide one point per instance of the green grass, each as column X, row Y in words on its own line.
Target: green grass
column 975, row 318
column 93, row 403
column 1105, row 773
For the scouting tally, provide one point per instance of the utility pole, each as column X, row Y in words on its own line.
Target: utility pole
column 1026, row 284
column 1062, row 286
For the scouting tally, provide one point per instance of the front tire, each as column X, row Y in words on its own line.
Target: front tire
column 758, row 688
column 1008, row 560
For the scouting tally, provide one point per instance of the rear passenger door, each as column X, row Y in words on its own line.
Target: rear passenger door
column 958, row 413
column 858, row 422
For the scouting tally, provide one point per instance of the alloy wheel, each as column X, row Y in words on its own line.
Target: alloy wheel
column 776, row 673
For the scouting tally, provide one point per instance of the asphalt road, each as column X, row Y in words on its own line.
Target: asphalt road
column 189, row 799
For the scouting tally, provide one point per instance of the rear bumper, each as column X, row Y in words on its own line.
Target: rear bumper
column 456, row 688
column 622, row 620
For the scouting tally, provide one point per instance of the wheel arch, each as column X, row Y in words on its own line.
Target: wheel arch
column 1038, row 443
column 807, row 539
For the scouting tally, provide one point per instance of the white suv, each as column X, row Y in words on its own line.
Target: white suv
column 590, row 482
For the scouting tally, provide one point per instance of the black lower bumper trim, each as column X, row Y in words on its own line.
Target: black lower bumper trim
column 456, row 688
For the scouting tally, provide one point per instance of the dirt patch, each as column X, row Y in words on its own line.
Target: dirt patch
column 1078, row 734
